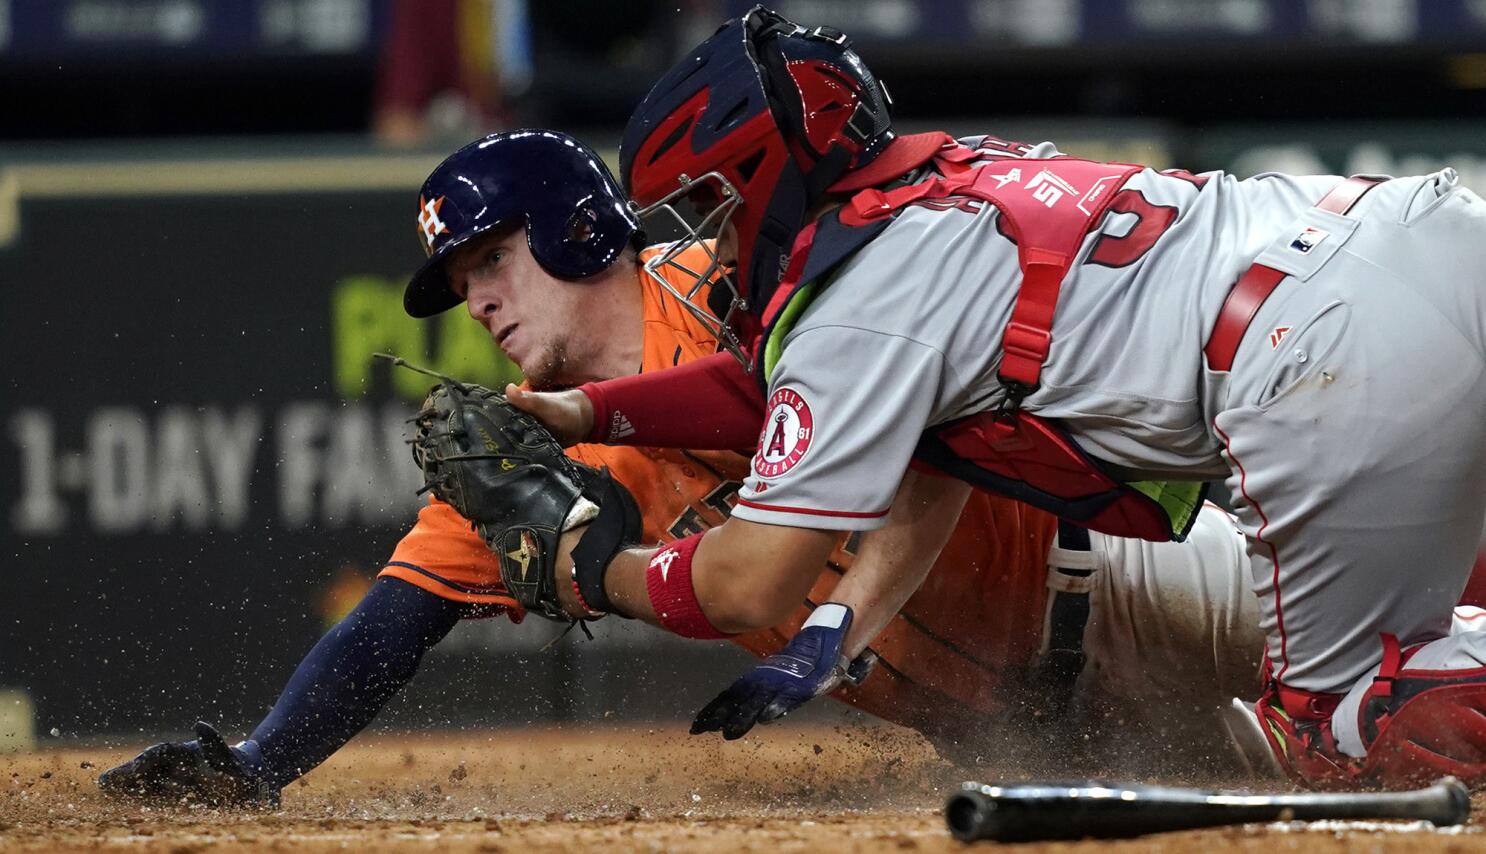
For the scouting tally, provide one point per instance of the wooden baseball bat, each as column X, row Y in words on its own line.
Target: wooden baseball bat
column 1047, row 811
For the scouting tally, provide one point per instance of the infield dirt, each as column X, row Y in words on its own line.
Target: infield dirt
column 794, row 788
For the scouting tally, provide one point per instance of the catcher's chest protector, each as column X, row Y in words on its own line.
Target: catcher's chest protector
column 1047, row 207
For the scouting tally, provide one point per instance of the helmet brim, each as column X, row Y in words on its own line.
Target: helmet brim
column 428, row 292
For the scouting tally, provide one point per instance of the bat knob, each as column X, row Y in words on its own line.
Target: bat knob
column 971, row 815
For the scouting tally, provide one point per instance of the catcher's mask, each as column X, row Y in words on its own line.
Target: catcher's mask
column 577, row 219
column 753, row 128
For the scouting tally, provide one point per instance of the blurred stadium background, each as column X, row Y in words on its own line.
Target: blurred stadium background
column 206, row 218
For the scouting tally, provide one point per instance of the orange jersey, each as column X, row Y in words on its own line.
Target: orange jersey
column 976, row 621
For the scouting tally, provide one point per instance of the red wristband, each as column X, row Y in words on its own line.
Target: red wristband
column 668, row 581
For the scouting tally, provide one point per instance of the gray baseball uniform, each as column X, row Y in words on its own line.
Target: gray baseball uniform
column 1348, row 427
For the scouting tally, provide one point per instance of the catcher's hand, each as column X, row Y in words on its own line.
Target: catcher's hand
column 501, row 469
column 811, row 664
column 568, row 415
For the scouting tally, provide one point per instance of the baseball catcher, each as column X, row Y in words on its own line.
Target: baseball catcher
column 1099, row 339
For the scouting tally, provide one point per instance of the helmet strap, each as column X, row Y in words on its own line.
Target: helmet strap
column 826, row 172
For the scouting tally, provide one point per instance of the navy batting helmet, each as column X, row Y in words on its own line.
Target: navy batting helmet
column 577, row 219
column 756, row 125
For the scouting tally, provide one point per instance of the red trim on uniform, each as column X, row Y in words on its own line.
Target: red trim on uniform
column 779, row 508
column 1274, row 554
column 710, row 404
column 1473, row 618
column 668, row 583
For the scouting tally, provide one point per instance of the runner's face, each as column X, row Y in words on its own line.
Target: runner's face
column 727, row 246
column 530, row 314
column 703, row 201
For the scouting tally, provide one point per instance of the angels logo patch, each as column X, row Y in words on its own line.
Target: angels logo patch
column 788, row 430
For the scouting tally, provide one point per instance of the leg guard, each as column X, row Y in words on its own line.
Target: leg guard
column 1420, row 725
column 1417, row 725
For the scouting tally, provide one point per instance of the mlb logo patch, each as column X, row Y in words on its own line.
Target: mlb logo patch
column 1308, row 240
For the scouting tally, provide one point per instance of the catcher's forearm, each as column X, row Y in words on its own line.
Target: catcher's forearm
column 624, row 597
column 707, row 404
column 628, row 596
column 744, row 575
column 894, row 560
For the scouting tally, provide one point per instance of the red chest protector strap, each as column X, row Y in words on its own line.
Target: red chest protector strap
column 1047, row 206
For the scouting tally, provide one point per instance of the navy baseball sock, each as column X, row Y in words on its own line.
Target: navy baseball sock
column 348, row 676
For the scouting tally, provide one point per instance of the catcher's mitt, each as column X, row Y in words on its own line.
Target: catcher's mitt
column 502, row 470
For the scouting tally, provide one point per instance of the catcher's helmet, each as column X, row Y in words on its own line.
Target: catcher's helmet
column 577, row 219
column 759, row 121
